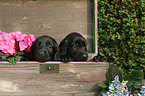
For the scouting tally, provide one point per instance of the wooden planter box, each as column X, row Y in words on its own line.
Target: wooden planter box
column 73, row 79
column 55, row 18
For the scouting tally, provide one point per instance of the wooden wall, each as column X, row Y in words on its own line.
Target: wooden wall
column 55, row 18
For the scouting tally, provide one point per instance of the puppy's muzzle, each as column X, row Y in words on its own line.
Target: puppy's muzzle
column 81, row 57
column 42, row 56
column 41, row 53
column 84, row 56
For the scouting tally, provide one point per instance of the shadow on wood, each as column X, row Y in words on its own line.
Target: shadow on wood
column 96, row 89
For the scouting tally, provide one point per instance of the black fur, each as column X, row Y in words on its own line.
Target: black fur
column 43, row 49
column 99, row 58
column 72, row 48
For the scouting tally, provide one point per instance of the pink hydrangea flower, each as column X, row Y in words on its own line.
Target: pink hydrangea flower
column 15, row 41
column 26, row 42
column 8, row 46
column 19, row 36
column 23, row 45
column 1, row 32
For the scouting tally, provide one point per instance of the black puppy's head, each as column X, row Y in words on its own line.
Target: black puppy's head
column 77, row 48
column 44, row 48
column 73, row 48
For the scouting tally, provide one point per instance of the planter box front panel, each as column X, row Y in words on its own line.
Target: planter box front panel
column 74, row 79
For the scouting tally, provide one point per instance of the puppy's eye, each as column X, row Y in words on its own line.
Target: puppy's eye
column 76, row 45
column 39, row 43
column 48, row 45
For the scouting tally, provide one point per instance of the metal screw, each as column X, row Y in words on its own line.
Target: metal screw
column 49, row 68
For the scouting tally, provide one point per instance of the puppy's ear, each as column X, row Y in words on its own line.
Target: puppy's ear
column 57, row 55
column 55, row 46
column 31, row 53
column 61, row 51
column 63, row 48
column 31, row 50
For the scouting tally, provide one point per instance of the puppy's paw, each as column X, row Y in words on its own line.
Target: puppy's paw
column 70, row 59
column 65, row 59
column 99, row 58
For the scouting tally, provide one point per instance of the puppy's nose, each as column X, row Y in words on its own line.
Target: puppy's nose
column 85, row 56
column 41, row 53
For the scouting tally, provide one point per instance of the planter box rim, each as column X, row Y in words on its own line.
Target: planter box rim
column 55, row 62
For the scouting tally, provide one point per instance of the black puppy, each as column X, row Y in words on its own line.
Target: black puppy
column 99, row 58
column 72, row 48
column 43, row 49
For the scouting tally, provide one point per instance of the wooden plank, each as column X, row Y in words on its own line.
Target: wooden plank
column 74, row 79
column 45, row 17
column 55, row 18
column 96, row 25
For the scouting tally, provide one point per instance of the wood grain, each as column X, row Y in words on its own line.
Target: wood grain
column 55, row 18
column 74, row 79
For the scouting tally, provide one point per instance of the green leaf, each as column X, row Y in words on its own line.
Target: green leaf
column 102, row 91
column 14, row 59
column 136, row 75
column 112, row 72
column 135, row 80
column 104, row 84
column 11, row 60
column 18, row 58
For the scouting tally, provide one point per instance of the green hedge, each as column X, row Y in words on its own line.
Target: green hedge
column 121, row 32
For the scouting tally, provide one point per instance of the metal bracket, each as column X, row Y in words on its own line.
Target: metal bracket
column 48, row 68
